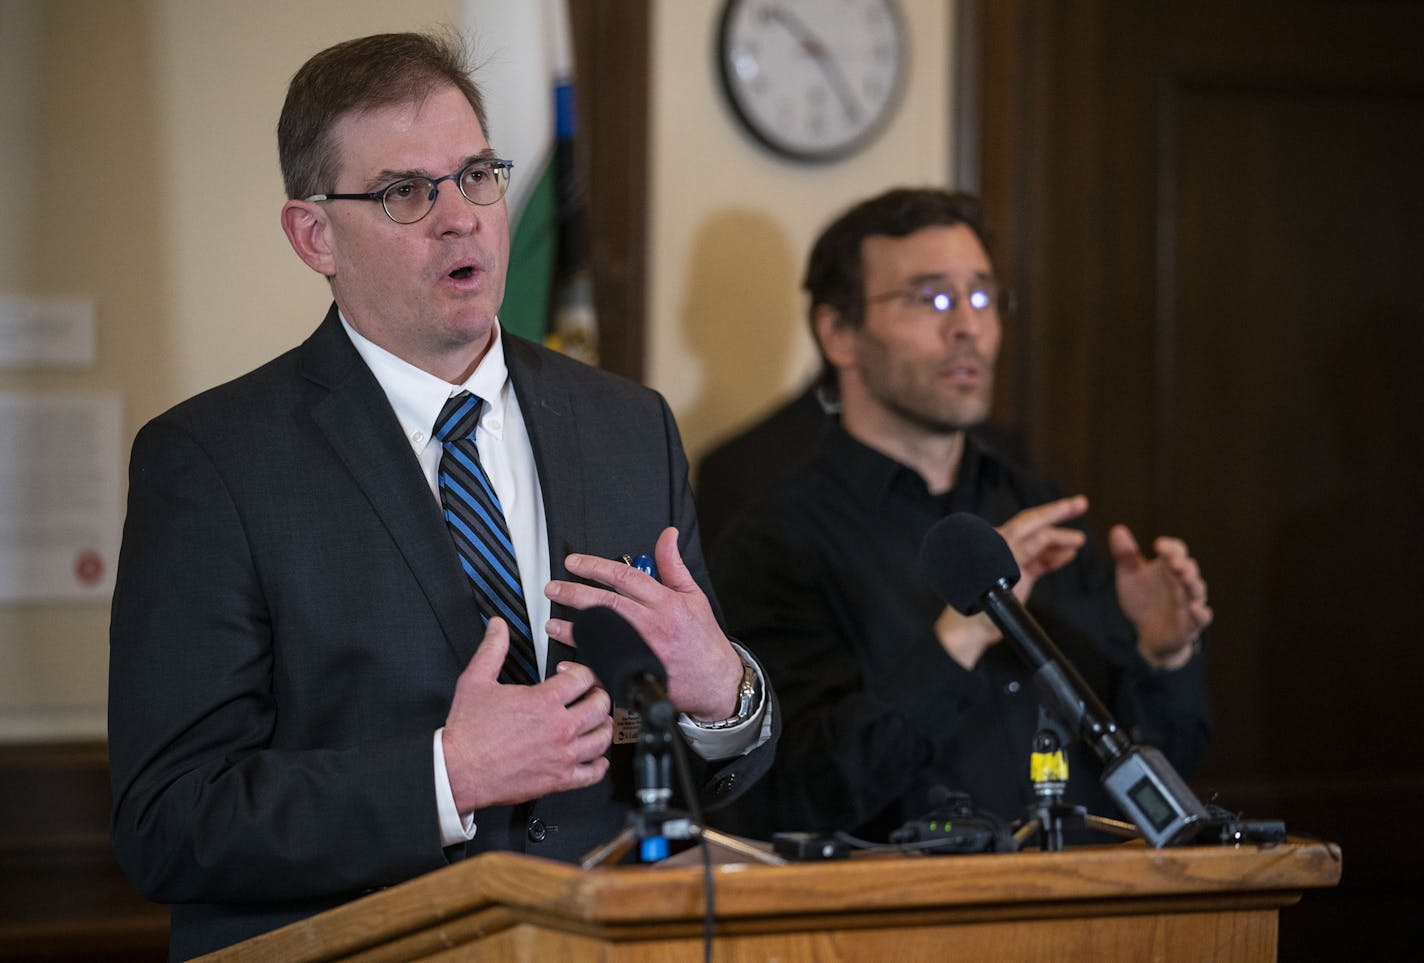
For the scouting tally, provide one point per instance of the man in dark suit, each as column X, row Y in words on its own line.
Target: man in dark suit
column 317, row 687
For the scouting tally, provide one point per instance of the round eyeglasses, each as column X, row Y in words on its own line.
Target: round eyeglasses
column 409, row 199
column 941, row 297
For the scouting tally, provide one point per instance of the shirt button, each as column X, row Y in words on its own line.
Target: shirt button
column 1011, row 688
column 418, row 437
column 495, row 424
column 537, row 831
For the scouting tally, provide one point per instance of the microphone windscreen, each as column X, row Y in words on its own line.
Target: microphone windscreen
column 963, row 557
column 609, row 645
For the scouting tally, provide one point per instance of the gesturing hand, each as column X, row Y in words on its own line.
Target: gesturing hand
column 674, row 618
column 1164, row 597
column 505, row 744
column 1039, row 546
column 1038, row 542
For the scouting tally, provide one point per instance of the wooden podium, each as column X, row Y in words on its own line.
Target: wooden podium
column 1124, row 902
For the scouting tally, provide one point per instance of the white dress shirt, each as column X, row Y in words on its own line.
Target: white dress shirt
column 507, row 456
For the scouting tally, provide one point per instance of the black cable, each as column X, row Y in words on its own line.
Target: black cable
column 910, row 847
column 694, row 811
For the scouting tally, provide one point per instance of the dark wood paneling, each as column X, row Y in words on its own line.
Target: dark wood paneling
column 611, row 59
column 62, row 894
column 1215, row 215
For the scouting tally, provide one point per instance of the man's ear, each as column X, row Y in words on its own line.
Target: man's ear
column 309, row 233
column 836, row 336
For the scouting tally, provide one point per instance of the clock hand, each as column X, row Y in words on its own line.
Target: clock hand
column 816, row 50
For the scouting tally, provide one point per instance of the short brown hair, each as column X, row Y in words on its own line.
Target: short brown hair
column 362, row 74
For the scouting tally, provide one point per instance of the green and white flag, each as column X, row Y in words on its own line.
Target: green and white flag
column 524, row 59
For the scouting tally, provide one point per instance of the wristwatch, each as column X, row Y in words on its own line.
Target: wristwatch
column 748, row 699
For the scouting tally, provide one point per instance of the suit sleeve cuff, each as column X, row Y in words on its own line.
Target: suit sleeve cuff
column 736, row 740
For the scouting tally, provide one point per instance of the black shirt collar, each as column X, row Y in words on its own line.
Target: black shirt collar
column 874, row 477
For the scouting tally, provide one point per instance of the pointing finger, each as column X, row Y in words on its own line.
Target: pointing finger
column 1049, row 513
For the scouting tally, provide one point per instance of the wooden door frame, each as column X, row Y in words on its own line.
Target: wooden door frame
column 611, row 54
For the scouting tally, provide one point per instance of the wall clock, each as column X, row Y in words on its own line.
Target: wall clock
column 813, row 80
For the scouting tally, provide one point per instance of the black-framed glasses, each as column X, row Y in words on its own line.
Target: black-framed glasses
column 982, row 296
column 409, row 199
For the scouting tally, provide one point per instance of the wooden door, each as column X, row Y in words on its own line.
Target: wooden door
column 1214, row 216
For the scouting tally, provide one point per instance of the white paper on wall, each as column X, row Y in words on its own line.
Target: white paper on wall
column 46, row 332
column 61, row 467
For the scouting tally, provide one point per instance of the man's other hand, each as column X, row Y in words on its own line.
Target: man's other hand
column 505, row 744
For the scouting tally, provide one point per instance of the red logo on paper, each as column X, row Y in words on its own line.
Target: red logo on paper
column 89, row 567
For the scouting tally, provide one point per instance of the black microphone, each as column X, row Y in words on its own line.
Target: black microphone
column 634, row 676
column 631, row 672
column 970, row 566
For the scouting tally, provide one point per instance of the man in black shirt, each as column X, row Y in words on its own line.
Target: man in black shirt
column 735, row 473
column 887, row 692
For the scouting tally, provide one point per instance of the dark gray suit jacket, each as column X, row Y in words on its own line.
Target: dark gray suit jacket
column 290, row 618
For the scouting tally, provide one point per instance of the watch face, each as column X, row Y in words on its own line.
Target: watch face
column 812, row 79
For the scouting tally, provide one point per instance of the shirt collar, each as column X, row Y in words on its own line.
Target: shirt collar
column 417, row 396
column 873, row 476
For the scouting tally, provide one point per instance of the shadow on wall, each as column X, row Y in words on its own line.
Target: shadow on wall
column 743, row 319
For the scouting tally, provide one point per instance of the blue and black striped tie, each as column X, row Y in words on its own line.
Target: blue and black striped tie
column 476, row 521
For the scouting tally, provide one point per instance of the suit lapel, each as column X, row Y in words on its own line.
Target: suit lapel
column 552, row 423
column 356, row 418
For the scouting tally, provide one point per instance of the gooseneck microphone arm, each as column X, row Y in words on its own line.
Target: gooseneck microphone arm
column 1057, row 681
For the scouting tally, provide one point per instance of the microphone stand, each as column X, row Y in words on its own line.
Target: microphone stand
column 1049, row 815
column 1163, row 809
column 653, row 822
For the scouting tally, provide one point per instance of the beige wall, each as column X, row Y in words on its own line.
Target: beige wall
column 731, row 223
column 149, row 126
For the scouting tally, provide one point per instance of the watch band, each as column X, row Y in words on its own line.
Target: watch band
column 748, row 698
